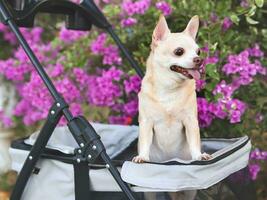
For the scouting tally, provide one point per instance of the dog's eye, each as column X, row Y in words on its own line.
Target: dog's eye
column 179, row 51
column 198, row 52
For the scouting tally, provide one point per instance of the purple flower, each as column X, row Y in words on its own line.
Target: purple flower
column 241, row 65
column 66, row 85
column 227, row 23
column 110, row 53
column 258, row 154
column 6, row 121
column 131, row 107
column 123, row 120
column 244, row 3
column 98, row 46
column 259, row 118
column 236, row 109
column 224, row 89
column 128, row 22
column 205, row 48
column 32, row 35
column 35, row 99
column 81, row 77
column 138, row 7
column 200, row 84
column 213, row 17
column 235, row 104
column 235, row 116
column 69, row 36
column 104, row 90
column 230, row 68
column 218, row 109
column 36, row 34
column 164, row 7
column 260, row 69
column 133, row 84
column 113, row 74
column 254, row 169
column 76, row 109
column 205, row 117
column 255, row 51
column 57, row 70
column 211, row 60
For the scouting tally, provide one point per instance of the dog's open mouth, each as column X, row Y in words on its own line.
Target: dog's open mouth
column 191, row 73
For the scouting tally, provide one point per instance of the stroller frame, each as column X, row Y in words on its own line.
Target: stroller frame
column 79, row 17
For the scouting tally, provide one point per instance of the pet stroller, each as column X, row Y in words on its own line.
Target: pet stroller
column 57, row 166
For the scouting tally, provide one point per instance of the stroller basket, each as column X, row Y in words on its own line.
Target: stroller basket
column 57, row 166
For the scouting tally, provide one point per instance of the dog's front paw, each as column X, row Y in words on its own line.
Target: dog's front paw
column 139, row 159
column 201, row 156
column 205, row 156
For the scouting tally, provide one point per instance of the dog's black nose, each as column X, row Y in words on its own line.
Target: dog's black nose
column 198, row 61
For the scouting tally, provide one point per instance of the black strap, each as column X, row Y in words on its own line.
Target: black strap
column 81, row 181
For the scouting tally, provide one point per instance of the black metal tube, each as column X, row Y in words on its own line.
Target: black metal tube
column 124, row 186
column 4, row 11
column 67, row 114
column 125, row 52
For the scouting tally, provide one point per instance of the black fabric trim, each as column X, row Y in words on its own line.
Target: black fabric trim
column 81, row 181
column 71, row 159
column 48, row 153
column 58, row 155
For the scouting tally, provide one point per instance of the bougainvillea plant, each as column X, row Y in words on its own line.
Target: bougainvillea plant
column 89, row 71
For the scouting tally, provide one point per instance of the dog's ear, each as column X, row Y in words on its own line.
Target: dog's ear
column 192, row 27
column 161, row 31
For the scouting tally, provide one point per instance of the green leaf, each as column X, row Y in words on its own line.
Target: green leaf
column 252, row 11
column 241, row 10
column 259, row 3
column 208, row 95
column 214, row 46
column 235, row 19
column 212, row 72
column 261, row 101
column 214, row 29
column 218, row 96
column 112, row 10
column 251, row 21
column 264, row 32
column 228, row 36
column 211, row 85
column 223, row 5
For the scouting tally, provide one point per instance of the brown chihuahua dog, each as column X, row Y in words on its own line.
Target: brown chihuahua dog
column 168, row 123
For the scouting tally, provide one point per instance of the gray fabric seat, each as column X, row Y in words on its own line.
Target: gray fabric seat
column 55, row 179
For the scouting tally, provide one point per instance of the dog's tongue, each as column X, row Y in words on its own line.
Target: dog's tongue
column 194, row 73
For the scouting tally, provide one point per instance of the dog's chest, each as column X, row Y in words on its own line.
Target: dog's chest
column 169, row 101
column 167, row 113
column 169, row 141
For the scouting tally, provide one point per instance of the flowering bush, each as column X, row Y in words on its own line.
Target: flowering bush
column 243, row 70
column 109, row 87
column 89, row 71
